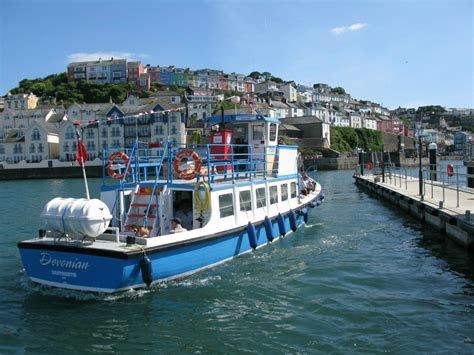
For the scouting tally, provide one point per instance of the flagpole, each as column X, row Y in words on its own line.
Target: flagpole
column 80, row 157
column 85, row 179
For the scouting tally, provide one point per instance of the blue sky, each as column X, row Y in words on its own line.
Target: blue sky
column 406, row 53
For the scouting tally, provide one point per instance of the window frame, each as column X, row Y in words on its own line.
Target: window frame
column 229, row 206
column 273, row 199
column 245, row 205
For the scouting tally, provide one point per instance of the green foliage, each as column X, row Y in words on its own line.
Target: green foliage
column 255, row 75
column 345, row 139
column 196, row 137
column 338, row 90
column 57, row 86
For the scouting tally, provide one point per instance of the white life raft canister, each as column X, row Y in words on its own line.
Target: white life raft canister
column 80, row 217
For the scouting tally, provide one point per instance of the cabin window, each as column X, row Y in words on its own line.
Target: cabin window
column 284, row 192
column 261, row 198
column 226, row 205
column 273, row 132
column 273, row 195
column 245, row 201
column 257, row 133
column 293, row 189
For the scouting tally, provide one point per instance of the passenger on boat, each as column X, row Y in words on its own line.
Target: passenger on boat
column 176, row 226
column 185, row 214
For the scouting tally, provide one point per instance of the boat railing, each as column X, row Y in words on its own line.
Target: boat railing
column 220, row 162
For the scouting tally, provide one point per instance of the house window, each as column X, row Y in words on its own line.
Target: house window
column 32, row 148
column 35, row 135
column 66, row 147
column 226, row 205
column 69, row 133
column 40, row 148
column 257, row 132
column 273, row 195
column 73, row 146
column 174, row 130
column 261, row 198
column 104, row 133
column 159, row 130
column 273, row 132
column 104, row 145
column 2, row 149
column 293, row 189
column 245, row 201
column 90, row 133
column 284, row 192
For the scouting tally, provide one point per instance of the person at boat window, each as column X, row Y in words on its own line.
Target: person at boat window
column 176, row 226
column 185, row 214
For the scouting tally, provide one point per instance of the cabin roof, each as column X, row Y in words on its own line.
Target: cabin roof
column 242, row 118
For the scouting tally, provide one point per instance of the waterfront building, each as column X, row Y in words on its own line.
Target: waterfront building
column 462, row 140
column 267, row 85
column 89, row 112
column 135, row 69
column 338, row 119
column 41, row 142
column 21, row 101
column 113, row 71
column 180, row 77
column 311, row 128
column 282, row 110
column 12, row 147
column 314, row 109
column 355, row 119
column 369, row 122
column 295, row 110
column 249, row 85
column 144, row 81
column 154, row 74
column 330, row 97
column 224, row 83
column 166, row 75
column 289, row 91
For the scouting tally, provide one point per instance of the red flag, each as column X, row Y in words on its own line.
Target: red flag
column 81, row 153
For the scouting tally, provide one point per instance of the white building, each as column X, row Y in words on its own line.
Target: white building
column 21, row 101
column 369, row 122
column 289, row 91
column 41, row 142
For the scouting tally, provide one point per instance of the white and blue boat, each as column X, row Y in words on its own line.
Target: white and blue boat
column 235, row 195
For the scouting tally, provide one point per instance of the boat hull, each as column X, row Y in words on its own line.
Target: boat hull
column 90, row 270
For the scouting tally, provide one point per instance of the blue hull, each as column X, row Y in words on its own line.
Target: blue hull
column 101, row 273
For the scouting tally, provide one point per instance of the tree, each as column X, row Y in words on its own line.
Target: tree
column 338, row 90
column 255, row 75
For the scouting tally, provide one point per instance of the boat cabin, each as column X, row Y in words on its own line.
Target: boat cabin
column 185, row 182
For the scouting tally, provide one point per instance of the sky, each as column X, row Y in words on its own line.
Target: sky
column 405, row 53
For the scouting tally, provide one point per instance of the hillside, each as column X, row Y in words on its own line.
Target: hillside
column 56, row 86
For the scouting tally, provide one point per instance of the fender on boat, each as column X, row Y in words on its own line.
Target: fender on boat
column 293, row 224
column 147, row 270
column 252, row 235
column 305, row 214
column 268, row 228
column 281, row 224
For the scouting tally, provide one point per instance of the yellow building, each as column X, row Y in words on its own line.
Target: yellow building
column 21, row 101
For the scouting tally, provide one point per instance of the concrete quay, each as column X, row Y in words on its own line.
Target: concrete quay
column 443, row 207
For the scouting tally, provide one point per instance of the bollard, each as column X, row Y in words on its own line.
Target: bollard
column 433, row 149
column 440, row 205
column 468, row 215
column 361, row 161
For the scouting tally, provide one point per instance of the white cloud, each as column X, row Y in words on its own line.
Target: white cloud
column 83, row 56
column 343, row 29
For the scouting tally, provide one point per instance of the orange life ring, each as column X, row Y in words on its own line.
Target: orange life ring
column 111, row 162
column 187, row 174
column 369, row 166
column 450, row 169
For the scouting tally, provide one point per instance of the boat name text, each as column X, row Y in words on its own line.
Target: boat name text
column 77, row 264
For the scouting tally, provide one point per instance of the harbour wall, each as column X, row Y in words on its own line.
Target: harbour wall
column 49, row 173
column 457, row 227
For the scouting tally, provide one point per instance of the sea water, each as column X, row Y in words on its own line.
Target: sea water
column 361, row 276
